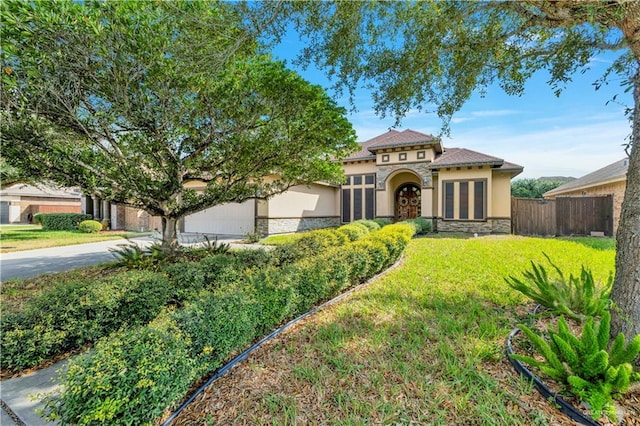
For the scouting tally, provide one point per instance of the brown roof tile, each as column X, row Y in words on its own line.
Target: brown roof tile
column 464, row 157
column 392, row 138
column 611, row 173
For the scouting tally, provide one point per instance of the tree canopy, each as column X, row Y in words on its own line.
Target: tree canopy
column 432, row 55
column 533, row 188
column 130, row 100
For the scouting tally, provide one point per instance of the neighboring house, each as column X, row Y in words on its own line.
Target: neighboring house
column 397, row 175
column 20, row 202
column 609, row 180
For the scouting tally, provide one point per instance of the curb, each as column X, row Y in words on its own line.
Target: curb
column 566, row 408
column 224, row 369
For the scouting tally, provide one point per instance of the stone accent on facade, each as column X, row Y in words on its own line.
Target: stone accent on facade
column 270, row 226
column 421, row 169
column 490, row 226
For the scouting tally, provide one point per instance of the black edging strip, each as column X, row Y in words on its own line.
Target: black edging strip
column 224, row 369
column 566, row 408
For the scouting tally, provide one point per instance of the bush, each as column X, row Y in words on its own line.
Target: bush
column 60, row 221
column 77, row 313
column 585, row 365
column 576, row 297
column 382, row 222
column 357, row 258
column 90, row 226
column 276, row 296
column 106, row 224
column 353, row 231
column 378, row 254
column 369, row 224
column 313, row 242
column 422, row 225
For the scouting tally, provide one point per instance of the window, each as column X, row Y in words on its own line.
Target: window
column 465, row 200
column 385, row 158
column 358, row 197
column 402, row 156
column 448, row 200
column 421, row 155
column 478, row 200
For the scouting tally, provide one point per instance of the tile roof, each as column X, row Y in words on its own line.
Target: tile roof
column 611, row 173
column 464, row 157
column 391, row 139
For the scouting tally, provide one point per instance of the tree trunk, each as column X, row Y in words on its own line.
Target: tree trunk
column 625, row 316
column 169, row 234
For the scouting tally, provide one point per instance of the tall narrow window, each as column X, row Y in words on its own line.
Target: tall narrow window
column 478, row 200
column 357, row 203
column 464, row 200
column 448, row 200
column 346, row 205
column 369, row 212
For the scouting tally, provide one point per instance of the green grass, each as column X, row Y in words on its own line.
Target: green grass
column 422, row 345
column 28, row 237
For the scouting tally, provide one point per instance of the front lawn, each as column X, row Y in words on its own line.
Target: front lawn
column 28, row 237
column 423, row 345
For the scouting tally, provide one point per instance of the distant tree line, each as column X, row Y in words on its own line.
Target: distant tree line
column 534, row 188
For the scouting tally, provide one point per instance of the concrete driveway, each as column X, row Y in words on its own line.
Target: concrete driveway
column 30, row 263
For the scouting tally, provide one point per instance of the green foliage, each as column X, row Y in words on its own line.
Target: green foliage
column 200, row 67
column 422, row 225
column 354, row 231
column 135, row 256
column 60, row 221
column 90, row 226
column 382, row 222
column 76, row 313
column 575, row 297
column 226, row 308
column 533, row 188
column 370, row 224
column 585, row 365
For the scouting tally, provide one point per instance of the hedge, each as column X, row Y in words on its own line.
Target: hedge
column 134, row 375
column 60, row 221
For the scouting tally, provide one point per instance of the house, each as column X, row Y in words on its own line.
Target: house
column 397, row 175
column 20, row 202
column 609, row 180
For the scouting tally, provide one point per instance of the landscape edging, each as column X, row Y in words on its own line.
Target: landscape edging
column 241, row 357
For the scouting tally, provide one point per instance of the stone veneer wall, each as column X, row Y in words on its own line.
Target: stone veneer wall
column 490, row 226
column 421, row 169
column 270, row 226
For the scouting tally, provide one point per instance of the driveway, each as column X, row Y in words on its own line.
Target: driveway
column 30, row 263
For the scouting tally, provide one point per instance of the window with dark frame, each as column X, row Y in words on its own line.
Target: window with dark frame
column 448, row 200
column 357, row 203
column 478, row 200
column 385, row 158
column 346, row 205
column 358, row 197
column 402, row 156
column 421, row 155
column 464, row 200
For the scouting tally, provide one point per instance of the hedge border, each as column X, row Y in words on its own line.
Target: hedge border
column 275, row 333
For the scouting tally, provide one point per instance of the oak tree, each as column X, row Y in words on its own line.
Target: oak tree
column 131, row 100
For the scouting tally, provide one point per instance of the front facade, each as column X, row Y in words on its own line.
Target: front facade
column 402, row 175
column 397, row 176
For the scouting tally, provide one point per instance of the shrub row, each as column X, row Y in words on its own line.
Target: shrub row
column 134, row 375
column 60, row 221
column 73, row 314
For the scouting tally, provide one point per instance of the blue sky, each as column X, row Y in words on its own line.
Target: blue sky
column 570, row 135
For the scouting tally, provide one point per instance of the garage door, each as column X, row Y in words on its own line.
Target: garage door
column 4, row 212
column 225, row 219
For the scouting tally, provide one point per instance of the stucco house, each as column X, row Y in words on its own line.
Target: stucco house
column 609, row 180
column 397, row 175
column 19, row 202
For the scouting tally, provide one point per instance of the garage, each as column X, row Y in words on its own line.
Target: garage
column 225, row 219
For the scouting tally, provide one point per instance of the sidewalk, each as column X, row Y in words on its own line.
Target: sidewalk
column 22, row 396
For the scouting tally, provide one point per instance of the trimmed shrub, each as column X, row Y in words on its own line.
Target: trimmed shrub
column 353, row 231
column 357, row 258
column 60, row 221
column 422, row 225
column 77, row 313
column 370, row 224
column 254, row 258
column 90, row 226
column 287, row 254
column 311, row 282
column 378, row 253
column 407, row 231
column 314, row 241
column 382, row 222
column 276, row 296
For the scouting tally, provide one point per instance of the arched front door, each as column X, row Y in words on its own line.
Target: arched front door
column 408, row 202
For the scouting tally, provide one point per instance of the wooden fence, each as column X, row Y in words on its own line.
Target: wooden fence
column 562, row 216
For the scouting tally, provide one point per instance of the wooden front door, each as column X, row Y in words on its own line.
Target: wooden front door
column 407, row 202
